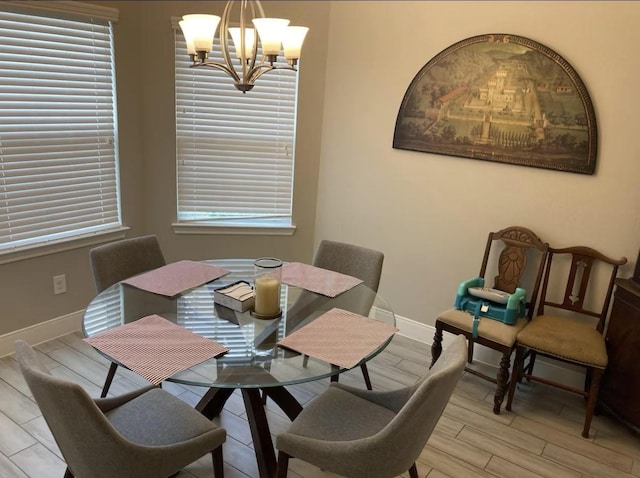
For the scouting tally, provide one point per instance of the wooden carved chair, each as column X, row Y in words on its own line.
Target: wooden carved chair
column 575, row 336
column 517, row 244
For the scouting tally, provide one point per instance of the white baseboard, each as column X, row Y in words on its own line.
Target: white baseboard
column 42, row 332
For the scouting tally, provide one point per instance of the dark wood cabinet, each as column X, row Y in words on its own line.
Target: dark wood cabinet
column 620, row 389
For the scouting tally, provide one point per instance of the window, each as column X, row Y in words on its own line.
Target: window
column 235, row 152
column 58, row 128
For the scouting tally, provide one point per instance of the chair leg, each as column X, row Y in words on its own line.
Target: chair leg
column 436, row 346
column 502, row 380
column 515, row 375
column 218, row 462
column 587, row 379
column 365, row 374
column 532, row 362
column 593, row 398
column 283, row 465
column 107, row 383
column 68, row 474
column 413, row 471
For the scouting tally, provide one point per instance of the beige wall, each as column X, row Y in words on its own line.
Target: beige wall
column 144, row 66
column 430, row 214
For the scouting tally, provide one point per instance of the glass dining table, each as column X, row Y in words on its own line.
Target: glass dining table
column 254, row 362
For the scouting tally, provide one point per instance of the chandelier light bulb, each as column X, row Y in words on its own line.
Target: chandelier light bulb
column 271, row 31
column 200, row 29
column 293, row 40
column 249, row 39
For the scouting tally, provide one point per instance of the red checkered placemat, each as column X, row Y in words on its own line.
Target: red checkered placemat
column 155, row 348
column 339, row 337
column 172, row 279
column 316, row 279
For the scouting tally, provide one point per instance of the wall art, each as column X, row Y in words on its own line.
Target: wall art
column 504, row 98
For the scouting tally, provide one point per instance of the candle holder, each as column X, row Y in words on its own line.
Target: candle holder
column 267, row 280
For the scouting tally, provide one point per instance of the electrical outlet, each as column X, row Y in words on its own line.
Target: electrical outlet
column 59, row 284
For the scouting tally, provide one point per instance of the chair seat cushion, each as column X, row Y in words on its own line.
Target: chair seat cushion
column 490, row 329
column 338, row 415
column 139, row 422
column 565, row 339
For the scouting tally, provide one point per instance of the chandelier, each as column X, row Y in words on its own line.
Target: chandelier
column 199, row 32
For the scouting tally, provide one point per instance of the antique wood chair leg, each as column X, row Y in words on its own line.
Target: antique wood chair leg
column 218, row 463
column 587, row 379
column 502, row 381
column 470, row 350
column 436, row 346
column 413, row 471
column 515, row 375
column 532, row 362
column 283, row 465
column 593, row 398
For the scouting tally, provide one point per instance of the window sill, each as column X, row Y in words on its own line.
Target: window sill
column 67, row 244
column 239, row 229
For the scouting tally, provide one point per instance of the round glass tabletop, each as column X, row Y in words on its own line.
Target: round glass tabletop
column 254, row 359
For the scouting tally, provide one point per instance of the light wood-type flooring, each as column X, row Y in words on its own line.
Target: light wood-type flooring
column 540, row 438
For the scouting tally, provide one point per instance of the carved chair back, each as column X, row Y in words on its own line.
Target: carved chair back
column 577, row 287
column 517, row 241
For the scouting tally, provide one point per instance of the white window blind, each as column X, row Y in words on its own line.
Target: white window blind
column 235, row 152
column 105, row 312
column 58, row 143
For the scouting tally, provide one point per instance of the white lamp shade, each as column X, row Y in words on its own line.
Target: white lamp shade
column 271, row 31
column 200, row 30
column 292, row 41
column 249, row 39
column 191, row 48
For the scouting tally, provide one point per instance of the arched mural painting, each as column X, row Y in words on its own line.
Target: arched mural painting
column 504, row 98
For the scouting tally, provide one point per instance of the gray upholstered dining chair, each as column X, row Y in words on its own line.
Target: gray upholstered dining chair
column 120, row 260
column 148, row 433
column 371, row 434
column 356, row 261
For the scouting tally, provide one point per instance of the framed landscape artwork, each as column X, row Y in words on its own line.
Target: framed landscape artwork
column 503, row 98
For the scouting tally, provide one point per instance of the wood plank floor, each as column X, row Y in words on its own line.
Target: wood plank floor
column 540, row 438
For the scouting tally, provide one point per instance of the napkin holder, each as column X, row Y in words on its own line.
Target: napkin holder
column 238, row 296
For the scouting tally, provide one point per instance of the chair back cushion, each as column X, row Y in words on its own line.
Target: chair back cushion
column 78, row 426
column 415, row 422
column 120, row 260
column 349, row 259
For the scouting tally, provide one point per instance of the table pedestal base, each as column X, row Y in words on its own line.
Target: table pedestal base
column 213, row 401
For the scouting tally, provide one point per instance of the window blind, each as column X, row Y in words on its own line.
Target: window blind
column 58, row 143
column 104, row 312
column 235, row 152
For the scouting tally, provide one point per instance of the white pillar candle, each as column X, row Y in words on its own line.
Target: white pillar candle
column 267, row 296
